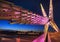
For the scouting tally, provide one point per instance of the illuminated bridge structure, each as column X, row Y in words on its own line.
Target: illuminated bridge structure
column 16, row 14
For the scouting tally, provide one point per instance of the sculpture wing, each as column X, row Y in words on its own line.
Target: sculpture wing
column 52, row 23
column 43, row 11
column 51, row 10
column 46, row 29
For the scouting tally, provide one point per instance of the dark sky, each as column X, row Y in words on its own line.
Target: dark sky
column 34, row 6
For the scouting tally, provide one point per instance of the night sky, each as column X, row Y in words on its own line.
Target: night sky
column 34, row 6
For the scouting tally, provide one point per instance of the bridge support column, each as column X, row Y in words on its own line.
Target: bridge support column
column 18, row 39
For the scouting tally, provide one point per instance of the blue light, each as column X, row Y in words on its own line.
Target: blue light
column 4, row 25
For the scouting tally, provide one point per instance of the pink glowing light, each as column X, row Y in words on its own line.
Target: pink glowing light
column 39, row 20
column 17, row 12
column 39, row 39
